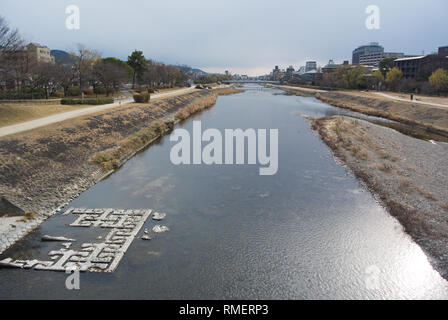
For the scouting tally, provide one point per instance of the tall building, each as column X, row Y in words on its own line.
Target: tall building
column 373, row 59
column 39, row 54
column 330, row 67
column 443, row 51
column 370, row 48
column 422, row 67
column 310, row 65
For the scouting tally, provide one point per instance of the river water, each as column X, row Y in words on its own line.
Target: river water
column 311, row 231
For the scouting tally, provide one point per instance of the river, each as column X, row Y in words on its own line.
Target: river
column 311, row 231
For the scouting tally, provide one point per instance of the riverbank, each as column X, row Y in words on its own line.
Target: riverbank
column 431, row 118
column 44, row 169
column 408, row 176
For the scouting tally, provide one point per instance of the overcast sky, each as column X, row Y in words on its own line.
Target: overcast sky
column 242, row 36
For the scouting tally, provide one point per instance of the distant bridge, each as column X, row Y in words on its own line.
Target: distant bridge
column 250, row 81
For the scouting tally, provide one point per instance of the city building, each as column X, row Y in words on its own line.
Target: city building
column 331, row 66
column 311, row 76
column 277, row 74
column 373, row 59
column 39, row 54
column 310, row 65
column 290, row 72
column 370, row 48
column 301, row 70
column 443, row 51
column 409, row 66
column 422, row 67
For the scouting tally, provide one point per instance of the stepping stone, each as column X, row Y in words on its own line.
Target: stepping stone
column 158, row 216
column 51, row 238
column 160, row 229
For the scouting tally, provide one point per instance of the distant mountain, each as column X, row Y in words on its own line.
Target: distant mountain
column 191, row 70
column 199, row 71
column 61, row 56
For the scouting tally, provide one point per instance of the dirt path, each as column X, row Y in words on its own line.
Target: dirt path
column 385, row 95
column 41, row 122
column 417, row 99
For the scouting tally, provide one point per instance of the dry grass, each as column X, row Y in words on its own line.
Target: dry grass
column 385, row 167
column 227, row 91
column 28, row 216
column 50, row 163
column 426, row 194
column 112, row 158
column 196, row 106
column 434, row 120
column 16, row 113
column 404, row 184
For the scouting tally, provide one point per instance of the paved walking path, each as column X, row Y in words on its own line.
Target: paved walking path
column 44, row 121
column 385, row 95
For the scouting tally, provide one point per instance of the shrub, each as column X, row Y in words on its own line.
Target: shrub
column 87, row 101
column 36, row 93
column 141, row 97
column 58, row 94
column 88, row 92
column 73, row 91
column 99, row 90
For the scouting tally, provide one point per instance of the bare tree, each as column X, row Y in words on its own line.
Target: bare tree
column 65, row 76
column 84, row 61
column 10, row 39
column 11, row 51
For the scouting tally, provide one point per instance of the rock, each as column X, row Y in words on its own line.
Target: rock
column 51, row 238
column 160, row 229
column 158, row 216
column 67, row 245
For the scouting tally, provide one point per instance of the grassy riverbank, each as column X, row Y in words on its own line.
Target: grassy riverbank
column 408, row 175
column 427, row 117
column 431, row 118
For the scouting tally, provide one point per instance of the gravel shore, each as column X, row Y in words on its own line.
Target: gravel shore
column 409, row 176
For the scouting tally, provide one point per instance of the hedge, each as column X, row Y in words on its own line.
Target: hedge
column 87, row 101
column 36, row 93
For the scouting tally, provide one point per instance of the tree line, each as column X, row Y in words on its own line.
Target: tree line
column 387, row 77
column 22, row 76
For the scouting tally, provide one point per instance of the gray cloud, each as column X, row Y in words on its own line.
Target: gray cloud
column 242, row 36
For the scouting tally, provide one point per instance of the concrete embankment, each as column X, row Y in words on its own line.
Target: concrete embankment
column 43, row 169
